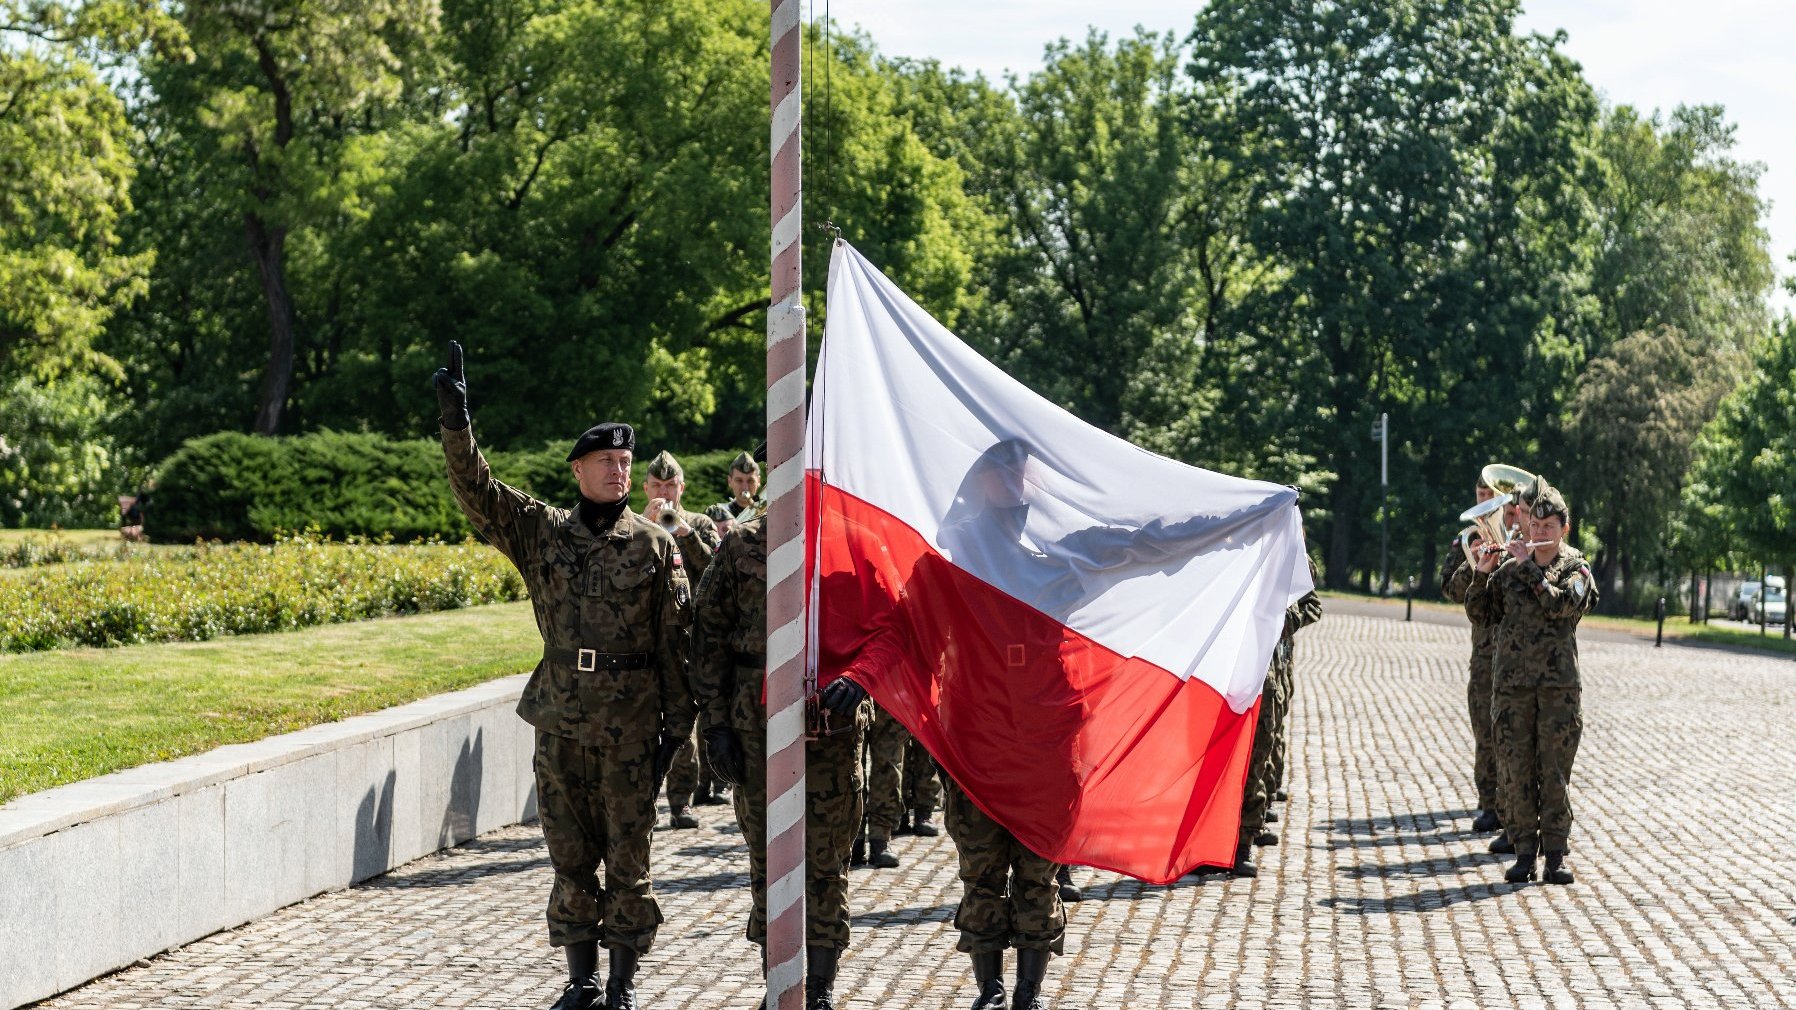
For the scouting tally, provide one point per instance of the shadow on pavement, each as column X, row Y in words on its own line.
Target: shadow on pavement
column 1426, row 901
column 704, row 882
column 1432, row 867
column 904, row 916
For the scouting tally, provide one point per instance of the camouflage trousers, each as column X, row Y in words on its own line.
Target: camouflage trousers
column 1484, row 755
column 691, row 766
column 1008, row 895
column 887, row 744
column 1256, row 795
column 597, row 806
column 1536, row 732
column 922, row 789
column 833, row 805
column 1281, row 737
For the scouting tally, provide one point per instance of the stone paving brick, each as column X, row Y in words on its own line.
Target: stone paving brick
column 1380, row 896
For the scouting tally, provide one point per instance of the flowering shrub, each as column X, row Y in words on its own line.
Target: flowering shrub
column 202, row 592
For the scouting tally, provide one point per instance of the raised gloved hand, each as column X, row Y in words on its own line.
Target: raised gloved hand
column 664, row 755
column 729, row 763
column 842, row 697
column 452, row 391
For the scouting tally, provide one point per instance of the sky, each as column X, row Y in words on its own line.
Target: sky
column 1740, row 54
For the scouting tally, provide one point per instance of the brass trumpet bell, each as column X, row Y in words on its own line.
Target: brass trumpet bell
column 1486, row 518
column 1505, row 479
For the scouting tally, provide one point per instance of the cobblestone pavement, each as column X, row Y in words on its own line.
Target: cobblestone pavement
column 1685, row 847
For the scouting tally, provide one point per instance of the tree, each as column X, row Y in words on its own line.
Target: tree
column 273, row 102
column 1740, row 498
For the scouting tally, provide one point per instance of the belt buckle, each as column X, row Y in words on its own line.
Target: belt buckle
column 586, row 660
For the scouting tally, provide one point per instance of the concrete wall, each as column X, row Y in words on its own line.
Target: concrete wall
column 96, row 875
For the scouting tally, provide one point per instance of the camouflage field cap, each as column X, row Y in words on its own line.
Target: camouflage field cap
column 665, row 467
column 1547, row 501
column 744, row 463
column 720, row 514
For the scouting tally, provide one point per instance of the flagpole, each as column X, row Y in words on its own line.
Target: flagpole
column 785, row 528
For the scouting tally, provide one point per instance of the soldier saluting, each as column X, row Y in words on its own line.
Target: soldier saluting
column 609, row 699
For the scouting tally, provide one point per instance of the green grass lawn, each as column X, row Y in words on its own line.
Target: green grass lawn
column 1676, row 627
column 79, row 538
column 73, row 714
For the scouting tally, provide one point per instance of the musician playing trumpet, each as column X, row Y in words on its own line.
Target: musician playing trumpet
column 1456, row 579
column 1534, row 593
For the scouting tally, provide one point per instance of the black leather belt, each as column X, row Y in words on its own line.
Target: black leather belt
column 589, row 660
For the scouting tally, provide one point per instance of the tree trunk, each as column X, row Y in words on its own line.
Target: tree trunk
column 1430, row 564
column 1340, row 536
column 267, row 246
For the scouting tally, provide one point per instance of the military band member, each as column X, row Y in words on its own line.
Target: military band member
column 664, row 485
column 609, row 699
column 745, row 482
column 1535, row 597
column 1456, row 578
column 728, row 673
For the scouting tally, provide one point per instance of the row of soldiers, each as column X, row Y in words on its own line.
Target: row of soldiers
column 1525, row 597
column 636, row 662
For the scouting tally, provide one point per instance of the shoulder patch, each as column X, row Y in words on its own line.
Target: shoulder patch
column 678, row 561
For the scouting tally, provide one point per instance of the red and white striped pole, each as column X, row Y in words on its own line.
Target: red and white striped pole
column 785, row 530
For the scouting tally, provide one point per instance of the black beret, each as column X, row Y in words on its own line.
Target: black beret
column 610, row 435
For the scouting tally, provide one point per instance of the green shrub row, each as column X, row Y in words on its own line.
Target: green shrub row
column 232, row 486
column 203, row 592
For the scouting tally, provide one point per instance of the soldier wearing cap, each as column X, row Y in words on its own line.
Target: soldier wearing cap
column 664, row 485
column 745, row 481
column 729, row 672
column 1534, row 597
column 721, row 517
column 1456, row 579
column 609, row 699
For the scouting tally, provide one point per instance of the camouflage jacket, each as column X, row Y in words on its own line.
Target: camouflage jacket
column 622, row 595
column 729, row 632
column 1534, row 614
column 1305, row 612
column 698, row 547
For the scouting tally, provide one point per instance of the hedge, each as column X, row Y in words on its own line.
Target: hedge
column 232, row 486
column 198, row 593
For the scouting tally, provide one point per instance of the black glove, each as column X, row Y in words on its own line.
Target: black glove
column 664, row 755
column 452, row 391
column 728, row 762
column 842, row 697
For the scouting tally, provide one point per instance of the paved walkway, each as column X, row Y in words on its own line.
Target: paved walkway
column 1685, row 847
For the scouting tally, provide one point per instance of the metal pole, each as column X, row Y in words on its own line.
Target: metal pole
column 1764, row 575
column 1384, row 507
column 1659, row 612
column 1409, row 598
column 785, row 525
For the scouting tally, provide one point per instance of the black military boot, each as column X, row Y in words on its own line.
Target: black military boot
column 857, row 856
column 1281, row 796
column 1266, row 838
column 707, row 794
column 1557, row 872
column 880, row 854
column 820, row 980
column 1502, row 846
column 920, row 824
column 1069, row 891
column 988, row 971
column 582, row 992
column 1031, row 968
column 1523, row 870
column 1271, row 817
column 684, row 818
column 620, row 985
column 903, row 827
column 1487, row 821
column 1244, row 865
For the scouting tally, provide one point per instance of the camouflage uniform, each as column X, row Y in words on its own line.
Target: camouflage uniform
column 887, row 746
column 1299, row 615
column 1009, row 897
column 922, row 789
column 728, row 673
column 612, row 610
column 1456, row 581
column 1268, row 731
column 1536, row 710
column 690, row 764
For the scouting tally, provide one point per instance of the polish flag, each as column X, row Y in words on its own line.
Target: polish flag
column 1076, row 628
